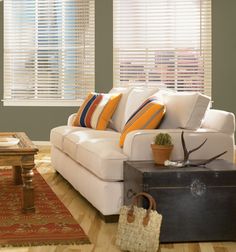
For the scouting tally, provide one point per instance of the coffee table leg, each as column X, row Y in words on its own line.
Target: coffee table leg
column 17, row 175
column 28, row 189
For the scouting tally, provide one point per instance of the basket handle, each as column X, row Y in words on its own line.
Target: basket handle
column 148, row 196
column 152, row 205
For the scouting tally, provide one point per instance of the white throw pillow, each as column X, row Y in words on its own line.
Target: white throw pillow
column 183, row 109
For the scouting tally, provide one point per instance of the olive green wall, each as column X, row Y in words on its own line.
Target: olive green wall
column 103, row 45
column 224, row 54
column 37, row 121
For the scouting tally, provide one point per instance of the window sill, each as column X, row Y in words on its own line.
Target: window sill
column 42, row 103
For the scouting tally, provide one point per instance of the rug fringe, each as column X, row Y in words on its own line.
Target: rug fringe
column 44, row 243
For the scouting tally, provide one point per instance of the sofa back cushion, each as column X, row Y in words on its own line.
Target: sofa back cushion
column 147, row 116
column 183, row 109
column 96, row 110
column 117, row 119
column 136, row 98
column 132, row 98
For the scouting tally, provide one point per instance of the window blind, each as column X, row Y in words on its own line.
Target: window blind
column 163, row 41
column 48, row 51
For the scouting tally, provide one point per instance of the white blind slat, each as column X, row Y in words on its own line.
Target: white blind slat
column 166, row 41
column 48, row 50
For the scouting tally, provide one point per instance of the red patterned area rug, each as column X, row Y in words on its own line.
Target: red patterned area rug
column 51, row 224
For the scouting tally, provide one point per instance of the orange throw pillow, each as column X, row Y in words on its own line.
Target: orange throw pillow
column 147, row 116
column 96, row 110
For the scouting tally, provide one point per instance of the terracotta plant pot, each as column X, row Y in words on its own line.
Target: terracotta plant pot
column 161, row 153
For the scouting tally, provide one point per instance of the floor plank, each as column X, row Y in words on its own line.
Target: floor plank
column 101, row 235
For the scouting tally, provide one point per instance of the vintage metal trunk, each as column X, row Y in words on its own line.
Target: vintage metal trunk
column 197, row 203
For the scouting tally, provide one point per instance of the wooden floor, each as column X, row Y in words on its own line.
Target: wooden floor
column 101, row 235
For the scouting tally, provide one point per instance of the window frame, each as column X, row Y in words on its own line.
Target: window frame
column 137, row 21
column 88, row 43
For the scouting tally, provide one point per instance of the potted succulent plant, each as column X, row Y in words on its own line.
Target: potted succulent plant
column 161, row 148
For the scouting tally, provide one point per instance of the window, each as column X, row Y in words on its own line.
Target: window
column 48, row 52
column 163, row 41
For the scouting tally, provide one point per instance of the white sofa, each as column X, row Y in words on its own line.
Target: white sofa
column 92, row 161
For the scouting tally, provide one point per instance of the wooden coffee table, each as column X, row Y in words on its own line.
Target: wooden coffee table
column 21, row 158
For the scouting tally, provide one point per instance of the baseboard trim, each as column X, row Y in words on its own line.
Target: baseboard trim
column 42, row 143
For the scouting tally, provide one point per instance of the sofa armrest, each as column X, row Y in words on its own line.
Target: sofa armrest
column 71, row 119
column 137, row 144
column 219, row 120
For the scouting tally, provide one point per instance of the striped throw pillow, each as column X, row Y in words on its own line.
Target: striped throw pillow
column 96, row 110
column 147, row 116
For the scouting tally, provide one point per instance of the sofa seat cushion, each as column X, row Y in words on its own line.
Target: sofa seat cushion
column 97, row 151
column 57, row 134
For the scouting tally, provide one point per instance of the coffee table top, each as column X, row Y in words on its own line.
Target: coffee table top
column 24, row 146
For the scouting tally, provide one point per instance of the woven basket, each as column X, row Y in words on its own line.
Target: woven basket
column 139, row 228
